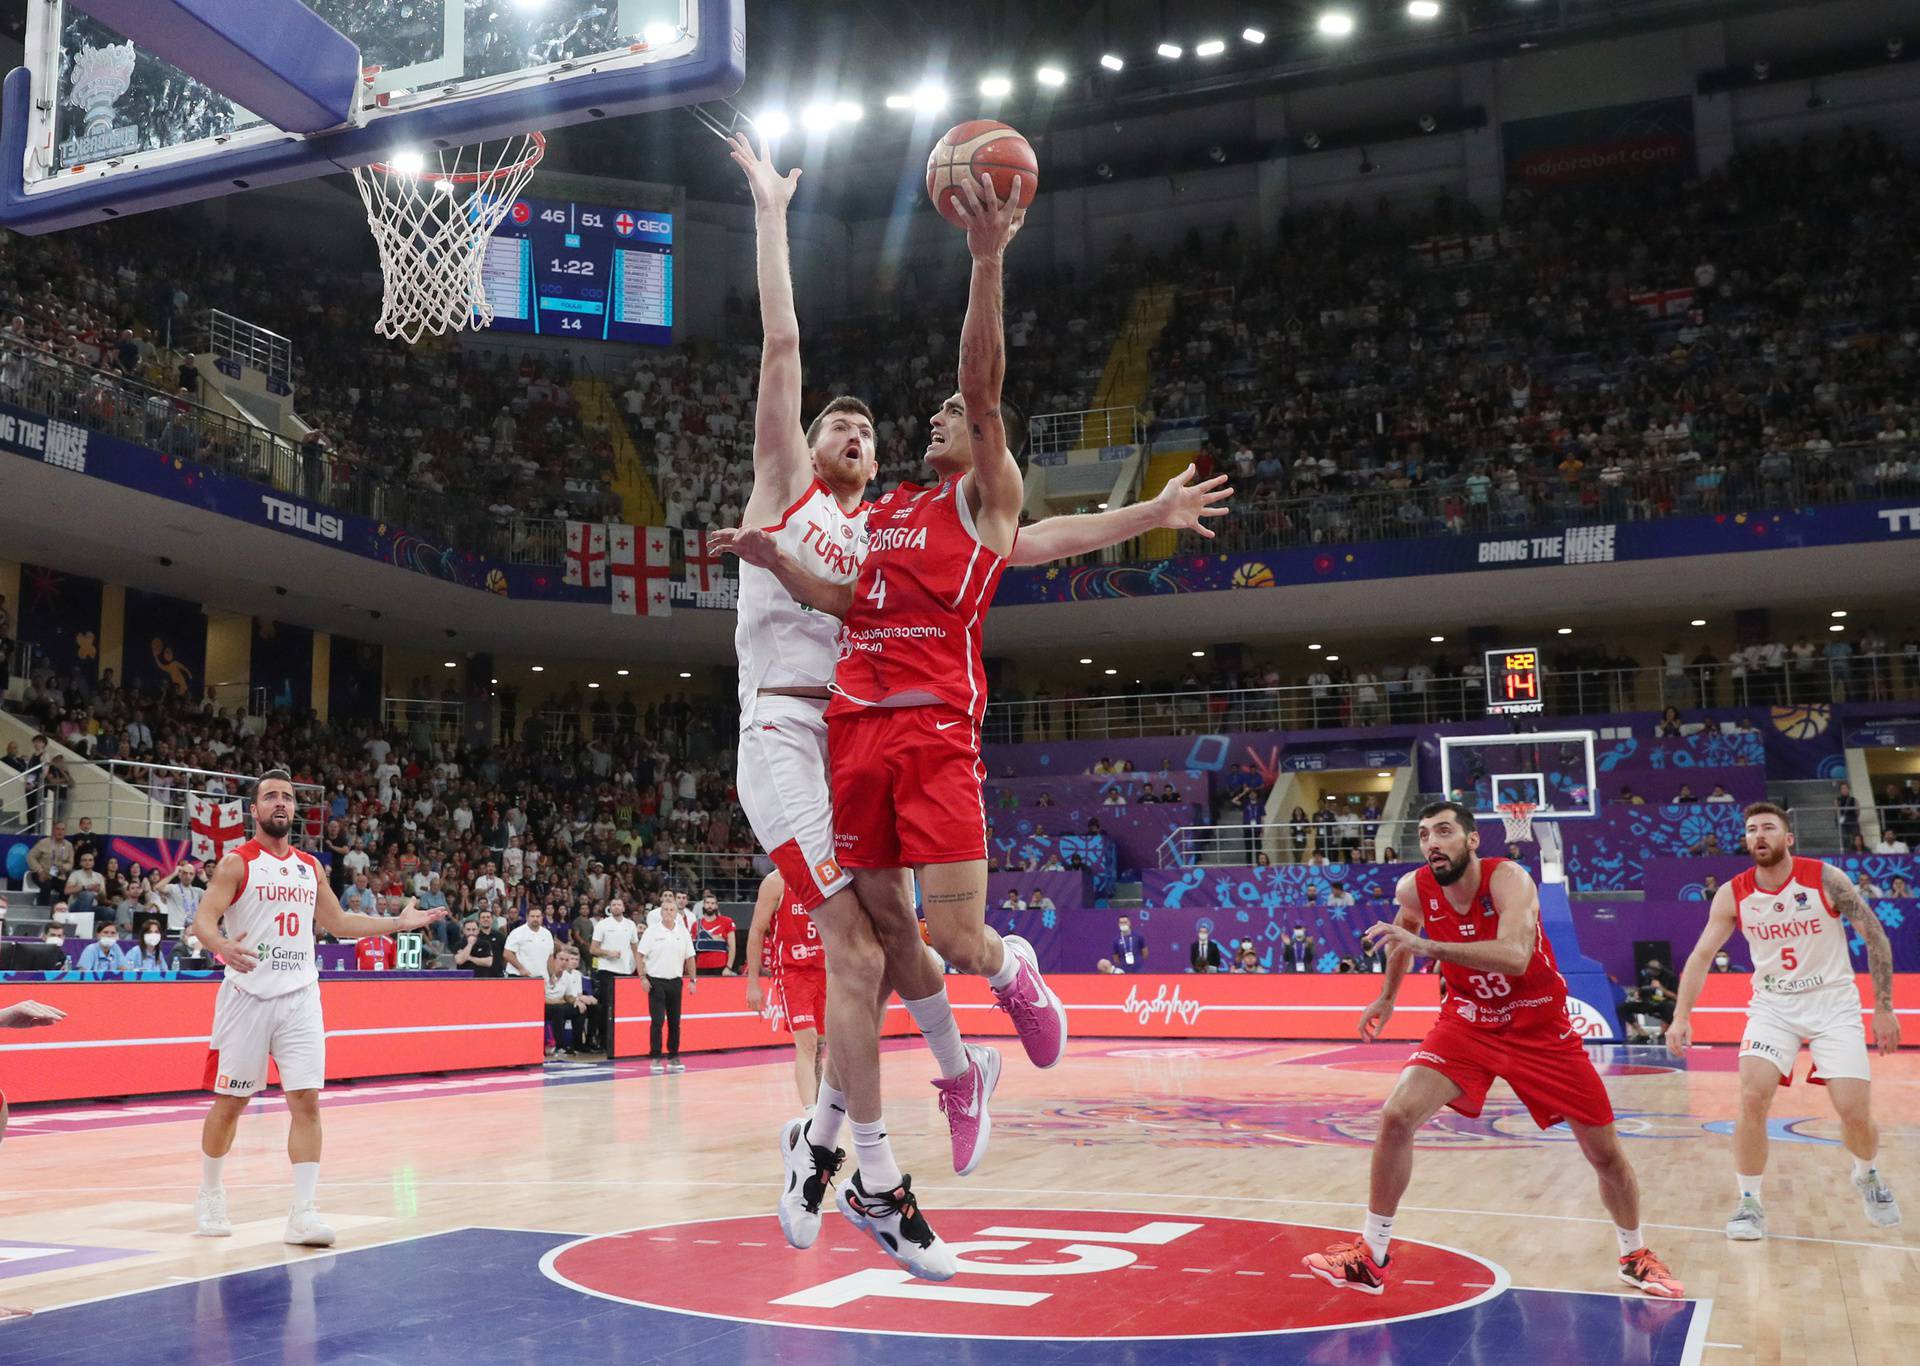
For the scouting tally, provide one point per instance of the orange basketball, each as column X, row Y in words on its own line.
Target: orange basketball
column 985, row 148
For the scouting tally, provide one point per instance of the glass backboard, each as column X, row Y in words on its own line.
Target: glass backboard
column 110, row 129
column 1552, row 769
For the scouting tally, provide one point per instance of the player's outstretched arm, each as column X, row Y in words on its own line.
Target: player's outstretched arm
column 1721, row 922
column 780, row 463
column 1182, row 505
column 1409, row 919
column 1846, row 899
column 764, row 906
column 995, row 488
column 1517, row 902
column 221, row 890
column 759, row 548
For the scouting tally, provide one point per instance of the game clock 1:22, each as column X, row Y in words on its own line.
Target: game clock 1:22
column 1513, row 681
column 588, row 271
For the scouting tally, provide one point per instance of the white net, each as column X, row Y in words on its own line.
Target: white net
column 432, row 216
column 1518, row 818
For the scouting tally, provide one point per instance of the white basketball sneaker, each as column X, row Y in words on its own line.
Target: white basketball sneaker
column 810, row 1170
column 304, row 1228
column 1749, row 1222
column 895, row 1222
column 1883, row 1211
column 210, row 1213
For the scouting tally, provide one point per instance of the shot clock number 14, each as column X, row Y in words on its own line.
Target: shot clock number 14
column 1513, row 681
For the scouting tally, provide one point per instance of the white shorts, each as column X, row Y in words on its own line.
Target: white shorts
column 1828, row 1022
column 248, row 1029
column 783, row 789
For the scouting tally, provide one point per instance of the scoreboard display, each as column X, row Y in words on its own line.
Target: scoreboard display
column 1513, row 682
column 582, row 271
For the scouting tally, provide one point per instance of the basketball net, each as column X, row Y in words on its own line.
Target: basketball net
column 432, row 215
column 1518, row 817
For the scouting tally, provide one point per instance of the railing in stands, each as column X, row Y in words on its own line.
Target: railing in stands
column 432, row 718
column 1343, row 703
column 1290, row 842
column 1085, row 429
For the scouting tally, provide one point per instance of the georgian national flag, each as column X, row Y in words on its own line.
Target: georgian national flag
column 586, row 556
column 640, row 560
column 703, row 562
column 215, row 826
column 1663, row 303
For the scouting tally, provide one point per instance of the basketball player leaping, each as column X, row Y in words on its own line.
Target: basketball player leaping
column 271, row 896
column 810, row 554
column 1505, row 1016
column 784, row 946
column 1790, row 910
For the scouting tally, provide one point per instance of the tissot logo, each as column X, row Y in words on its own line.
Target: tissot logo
column 322, row 524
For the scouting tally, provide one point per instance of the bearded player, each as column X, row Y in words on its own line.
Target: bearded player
column 784, row 947
column 1791, row 909
column 1505, row 1016
column 969, row 1072
column 271, row 897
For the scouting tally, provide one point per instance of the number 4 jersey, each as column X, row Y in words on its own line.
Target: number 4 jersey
column 1535, row 1000
column 272, row 914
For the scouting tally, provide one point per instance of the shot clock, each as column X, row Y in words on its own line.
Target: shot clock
column 1513, row 681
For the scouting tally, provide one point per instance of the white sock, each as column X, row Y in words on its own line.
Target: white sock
column 1631, row 1240
column 1863, row 1168
column 211, row 1173
column 934, row 1015
column 1749, row 1186
column 879, row 1172
column 306, row 1181
column 1376, row 1235
column 829, row 1113
column 1009, row 969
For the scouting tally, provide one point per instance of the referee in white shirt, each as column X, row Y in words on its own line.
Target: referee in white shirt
column 667, row 950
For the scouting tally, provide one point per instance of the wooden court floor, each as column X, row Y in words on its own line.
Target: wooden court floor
column 1205, row 1167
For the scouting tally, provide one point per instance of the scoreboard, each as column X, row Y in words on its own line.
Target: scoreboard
column 582, row 271
column 1513, row 682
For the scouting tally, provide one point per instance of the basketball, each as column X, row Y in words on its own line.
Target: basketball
column 984, row 148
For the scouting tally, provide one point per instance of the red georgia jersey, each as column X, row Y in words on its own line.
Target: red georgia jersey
column 919, row 606
column 793, row 941
column 1535, row 1000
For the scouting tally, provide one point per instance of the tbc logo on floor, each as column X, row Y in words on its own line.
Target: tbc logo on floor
column 1024, row 1274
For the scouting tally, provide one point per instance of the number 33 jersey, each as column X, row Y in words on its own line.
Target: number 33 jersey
column 919, row 609
column 1535, row 1000
column 272, row 914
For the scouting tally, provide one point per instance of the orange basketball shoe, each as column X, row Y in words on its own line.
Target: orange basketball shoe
column 1649, row 1274
column 1350, row 1265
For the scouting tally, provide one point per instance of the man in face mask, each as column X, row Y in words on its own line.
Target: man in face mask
column 193, row 956
column 1722, row 963
column 103, row 957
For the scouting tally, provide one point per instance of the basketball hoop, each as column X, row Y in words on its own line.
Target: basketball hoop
column 432, row 217
column 1519, row 820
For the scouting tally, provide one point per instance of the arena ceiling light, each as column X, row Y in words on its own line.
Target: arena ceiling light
column 1436, row 639
column 685, row 674
column 1564, row 631
column 1840, row 612
column 930, row 97
column 493, row 680
column 449, row 665
column 848, row 112
column 1212, row 47
column 773, row 122
column 996, row 87
column 1051, row 76
column 593, row 685
column 1836, row 627
column 539, row 668
column 1384, row 773
column 1423, row 9
column 1313, row 647
column 623, row 672
column 1333, row 659
column 1112, row 63
column 407, row 161
column 1698, row 621
column 1335, row 23
column 1086, row 661
column 1253, row 35
column 1112, row 671
column 898, row 101
column 1169, row 50
column 658, row 34
column 817, row 118
column 1199, row 654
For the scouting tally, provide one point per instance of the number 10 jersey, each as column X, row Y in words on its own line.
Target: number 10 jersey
column 272, row 914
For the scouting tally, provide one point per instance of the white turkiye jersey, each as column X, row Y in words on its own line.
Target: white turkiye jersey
column 1798, row 941
column 272, row 914
column 780, row 643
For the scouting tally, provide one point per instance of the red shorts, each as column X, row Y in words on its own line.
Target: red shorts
column 907, row 787
column 1552, row 1074
column 803, row 997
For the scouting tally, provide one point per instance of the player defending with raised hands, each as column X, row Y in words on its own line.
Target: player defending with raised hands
column 1505, row 1016
column 270, row 897
column 1790, row 910
column 806, row 500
